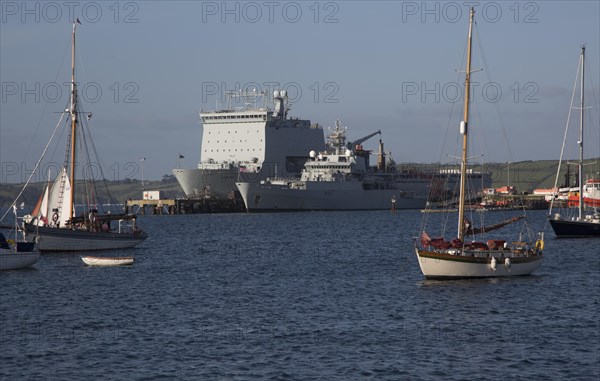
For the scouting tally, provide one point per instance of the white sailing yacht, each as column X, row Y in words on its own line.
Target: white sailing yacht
column 54, row 220
column 587, row 221
column 459, row 258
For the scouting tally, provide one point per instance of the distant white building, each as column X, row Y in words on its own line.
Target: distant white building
column 152, row 195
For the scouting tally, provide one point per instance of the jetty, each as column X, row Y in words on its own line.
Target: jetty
column 183, row 206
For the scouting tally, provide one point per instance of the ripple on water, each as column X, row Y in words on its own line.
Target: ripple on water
column 296, row 296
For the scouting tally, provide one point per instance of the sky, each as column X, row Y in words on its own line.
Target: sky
column 147, row 68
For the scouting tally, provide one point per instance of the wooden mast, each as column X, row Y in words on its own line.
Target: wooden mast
column 464, row 131
column 580, row 142
column 73, row 112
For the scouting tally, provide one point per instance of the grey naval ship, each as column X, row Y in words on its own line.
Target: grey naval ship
column 339, row 178
column 251, row 141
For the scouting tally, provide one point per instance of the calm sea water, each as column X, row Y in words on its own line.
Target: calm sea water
column 298, row 296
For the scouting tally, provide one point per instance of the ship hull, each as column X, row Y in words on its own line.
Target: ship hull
column 59, row 239
column 217, row 183
column 324, row 196
column 575, row 229
column 437, row 265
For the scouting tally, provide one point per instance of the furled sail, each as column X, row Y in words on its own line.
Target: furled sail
column 470, row 230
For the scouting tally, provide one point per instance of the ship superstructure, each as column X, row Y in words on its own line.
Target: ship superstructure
column 249, row 140
column 339, row 178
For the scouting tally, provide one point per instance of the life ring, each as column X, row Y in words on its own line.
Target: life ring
column 539, row 245
column 55, row 217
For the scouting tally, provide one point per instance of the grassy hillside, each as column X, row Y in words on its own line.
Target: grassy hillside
column 120, row 191
column 525, row 176
column 529, row 175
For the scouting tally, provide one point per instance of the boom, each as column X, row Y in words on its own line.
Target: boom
column 350, row 145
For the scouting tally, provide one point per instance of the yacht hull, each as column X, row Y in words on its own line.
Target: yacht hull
column 575, row 229
column 58, row 239
column 18, row 260
column 440, row 265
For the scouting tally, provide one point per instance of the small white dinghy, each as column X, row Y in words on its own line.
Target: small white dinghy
column 107, row 261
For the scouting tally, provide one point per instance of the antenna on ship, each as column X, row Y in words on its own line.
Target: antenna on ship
column 280, row 99
column 286, row 107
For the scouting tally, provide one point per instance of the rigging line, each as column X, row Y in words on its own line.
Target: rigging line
column 593, row 113
column 37, row 128
column 90, row 184
column 83, row 152
column 34, row 170
column 496, row 103
column 68, row 147
column 100, row 165
column 60, row 137
column 86, row 199
column 451, row 118
column 480, row 134
column 86, row 131
column 80, row 150
column 95, row 196
column 562, row 150
column 488, row 75
column 457, row 141
column 438, row 175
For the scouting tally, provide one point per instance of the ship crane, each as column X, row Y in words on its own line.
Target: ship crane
column 352, row 145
